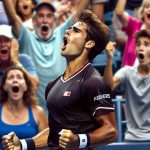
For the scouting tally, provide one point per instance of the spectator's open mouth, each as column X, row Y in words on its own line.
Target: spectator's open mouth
column 25, row 7
column 3, row 51
column 148, row 16
column 141, row 56
column 44, row 28
column 15, row 89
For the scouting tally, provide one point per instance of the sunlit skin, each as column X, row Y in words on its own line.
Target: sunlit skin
column 5, row 46
column 76, row 40
column 25, row 7
column 15, row 78
column 143, row 50
column 44, row 18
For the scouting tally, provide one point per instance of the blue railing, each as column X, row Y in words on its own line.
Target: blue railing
column 119, row 145
column 119, row 117
column 126, row 146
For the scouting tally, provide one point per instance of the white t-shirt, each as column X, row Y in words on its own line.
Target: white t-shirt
column 137, row 92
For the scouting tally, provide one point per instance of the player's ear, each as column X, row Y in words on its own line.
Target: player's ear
column 89, row 44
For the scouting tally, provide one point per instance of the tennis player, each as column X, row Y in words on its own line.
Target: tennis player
column 81, row 113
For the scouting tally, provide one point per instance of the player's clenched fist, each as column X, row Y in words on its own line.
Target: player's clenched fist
column 68, row 140
column 11, row 142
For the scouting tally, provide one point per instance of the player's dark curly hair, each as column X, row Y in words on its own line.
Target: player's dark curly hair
column 96, row 31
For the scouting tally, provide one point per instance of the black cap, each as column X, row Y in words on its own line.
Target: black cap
column 48, row 4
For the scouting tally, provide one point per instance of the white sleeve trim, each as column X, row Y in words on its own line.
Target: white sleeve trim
column 107, row 108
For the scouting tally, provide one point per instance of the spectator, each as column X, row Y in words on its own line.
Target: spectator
column 18, row 106
column 136, row 82
column 112, row 21
column 24, row 9
column 44, row 44
column 131, row 25
column 9, row 55
column 78, row 119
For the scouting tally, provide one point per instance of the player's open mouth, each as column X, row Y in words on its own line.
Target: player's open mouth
column 15, row 89
column 65, row 43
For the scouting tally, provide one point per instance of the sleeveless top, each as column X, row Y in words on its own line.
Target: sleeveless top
column 25, row 130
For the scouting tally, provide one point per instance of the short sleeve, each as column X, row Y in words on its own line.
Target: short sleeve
column 121, row 74
column 97, row 95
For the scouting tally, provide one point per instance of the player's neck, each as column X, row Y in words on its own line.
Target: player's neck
column 73, row 67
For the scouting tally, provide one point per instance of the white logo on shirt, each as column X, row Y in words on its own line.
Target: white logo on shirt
column 99, row 97
column 67, row 93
